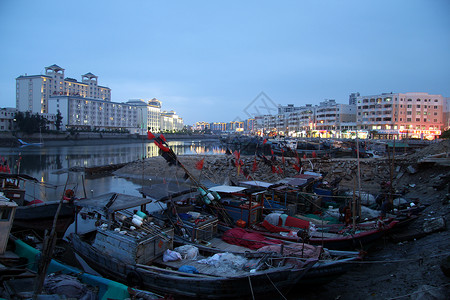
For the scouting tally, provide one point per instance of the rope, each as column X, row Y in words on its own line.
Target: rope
column 275, row 287
column 251, row 288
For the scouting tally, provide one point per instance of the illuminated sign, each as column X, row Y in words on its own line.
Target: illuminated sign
column 419, row 131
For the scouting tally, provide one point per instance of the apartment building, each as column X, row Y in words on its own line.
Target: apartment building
column 202, row 126
column 34, row 91
column 7, row 118
column 300, row 121
column 218, row 127
column 331, row 116
column 414, row 115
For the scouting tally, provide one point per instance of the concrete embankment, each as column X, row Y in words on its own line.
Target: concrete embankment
column 8, row 139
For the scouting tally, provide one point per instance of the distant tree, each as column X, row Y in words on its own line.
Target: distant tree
column 445, row 134
column 58, row 120
column 30, row 123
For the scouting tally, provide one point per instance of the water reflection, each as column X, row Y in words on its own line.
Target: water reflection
column 49, row 164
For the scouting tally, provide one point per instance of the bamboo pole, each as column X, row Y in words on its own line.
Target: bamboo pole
column 47, row 251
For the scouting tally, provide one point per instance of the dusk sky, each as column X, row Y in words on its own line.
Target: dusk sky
column 209, row 60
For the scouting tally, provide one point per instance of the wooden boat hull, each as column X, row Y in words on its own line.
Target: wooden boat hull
column 340, row 241
column 320, row 273
column 327, row 271
column 190, row 285
column 360, row 240
column 40, row 217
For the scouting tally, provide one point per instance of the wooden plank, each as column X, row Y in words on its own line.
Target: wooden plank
column 173, row 271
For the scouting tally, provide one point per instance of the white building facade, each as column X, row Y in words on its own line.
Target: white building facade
column 135, row 116
column 33, row 92
column 171, row 122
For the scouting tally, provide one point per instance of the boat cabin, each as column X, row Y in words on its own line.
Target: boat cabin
column 7, row 211
column 12, row 186
column 243, row 205
column 183, row 210
column 125, row 229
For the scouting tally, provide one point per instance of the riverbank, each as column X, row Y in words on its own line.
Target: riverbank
column 9, row 139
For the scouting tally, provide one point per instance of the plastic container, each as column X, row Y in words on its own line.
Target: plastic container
column 206, row 200
column 137, row 217
column 216, row 195
column 202, row 191
column 141, row 214
column 137, row 222
column 240, row 223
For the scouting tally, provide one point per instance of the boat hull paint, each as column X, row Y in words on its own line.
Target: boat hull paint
column 108, row 289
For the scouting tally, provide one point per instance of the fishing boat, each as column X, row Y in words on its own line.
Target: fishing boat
column 332, row 236
column 106, row 288
column 19, row 265
column 134, row 250
column 200, row 229
column 36, row 213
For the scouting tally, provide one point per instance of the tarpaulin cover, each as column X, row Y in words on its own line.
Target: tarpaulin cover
column 297, row 249
column 282, row 220
column 251, row 240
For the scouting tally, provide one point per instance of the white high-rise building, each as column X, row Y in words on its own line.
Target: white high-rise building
column 170, row 121
column 33, row 91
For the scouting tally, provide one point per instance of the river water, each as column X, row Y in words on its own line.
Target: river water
column 50, row 164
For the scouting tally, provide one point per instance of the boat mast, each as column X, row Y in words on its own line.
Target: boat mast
column 359, row 173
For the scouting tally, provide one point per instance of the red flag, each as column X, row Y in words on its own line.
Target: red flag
column 199, row 164
column 162, row 137
column 237, row 154
column 150, row 135
column 161, row 146
column 296, row 167
column 271, row 151
column 282, row 159
column 274, row 170
column 280, row 171
column 265, row 141
column 304, row 156
column 314, row 155
column 255, row 166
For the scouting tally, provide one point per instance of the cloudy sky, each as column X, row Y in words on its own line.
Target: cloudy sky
column 211, row 60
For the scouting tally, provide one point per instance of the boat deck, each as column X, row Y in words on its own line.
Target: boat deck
column 218, row 243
